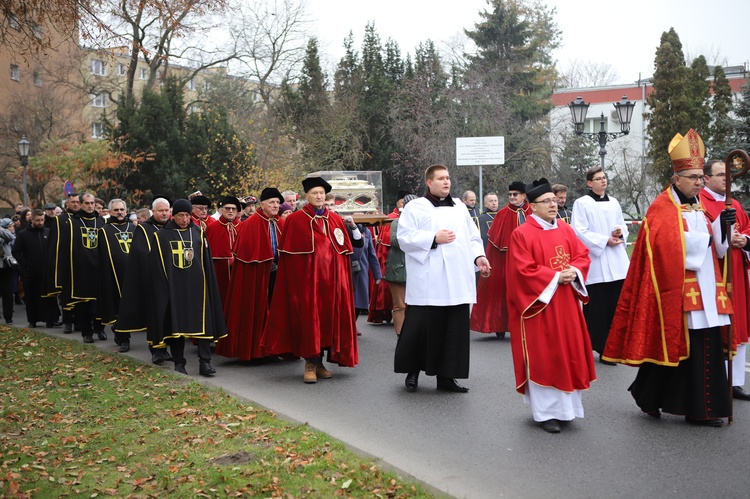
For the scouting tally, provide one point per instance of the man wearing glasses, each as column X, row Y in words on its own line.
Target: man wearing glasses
column 712, row 197
column 221, row 237
column 551, row 348
column 674, row 302
column 599, row 224
column 490, row 313
column 201, row 205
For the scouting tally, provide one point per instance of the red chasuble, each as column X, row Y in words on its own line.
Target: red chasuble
column 246, row 305
column 490, row 314
column 381, row 301
column 312, row 307
column 650, row 324
column 740, row 267
column 551, row 345
column 221, row 236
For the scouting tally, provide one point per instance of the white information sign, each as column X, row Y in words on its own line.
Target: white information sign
column 478, row 151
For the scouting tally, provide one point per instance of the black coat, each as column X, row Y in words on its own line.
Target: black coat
column 30, row 249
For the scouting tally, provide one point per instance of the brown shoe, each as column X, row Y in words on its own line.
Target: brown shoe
column 322, row 373
column 310, row 376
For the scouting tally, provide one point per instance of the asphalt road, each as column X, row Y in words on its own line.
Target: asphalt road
column 485, row 443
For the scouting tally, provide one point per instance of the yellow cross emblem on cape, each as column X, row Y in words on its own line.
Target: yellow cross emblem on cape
column 124, row 239
column 90, row 237
column 561, row 260
column 178, row 255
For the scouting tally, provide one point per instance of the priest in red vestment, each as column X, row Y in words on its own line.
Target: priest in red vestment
column 713, row 197
column 674, row 302
column 551, row 345
column 253, row 275
column 221, row 236
column 490, row 314
column 312, row 308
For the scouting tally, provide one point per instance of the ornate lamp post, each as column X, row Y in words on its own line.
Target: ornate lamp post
column 23, row 151
column 578, row 110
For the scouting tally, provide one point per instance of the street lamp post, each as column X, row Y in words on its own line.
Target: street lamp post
column 578, row 110
column 23, row 151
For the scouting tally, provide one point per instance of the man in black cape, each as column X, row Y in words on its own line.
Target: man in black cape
column 186, row 301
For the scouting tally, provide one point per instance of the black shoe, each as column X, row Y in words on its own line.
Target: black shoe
column 500, row 335
column 551, row 426
column 713, row 422
column 9, row 321
column 180, row 368
column 102, row 335
column 124, row 347
column 88, row 338
column 654, row 414
column 606, row 362
column 160, row 356
column 49, row 325
column 57, row 323
column 412, row 381
column 32, row 325
column 206, row 369
column 68, row 329
column 450, row 385
column 740, row 394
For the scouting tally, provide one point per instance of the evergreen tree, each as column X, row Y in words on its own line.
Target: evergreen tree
column 721, row 123
column 699, row 95
column 671, row 112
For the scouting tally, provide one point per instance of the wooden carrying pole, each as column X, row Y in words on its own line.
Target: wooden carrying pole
column 737, row 164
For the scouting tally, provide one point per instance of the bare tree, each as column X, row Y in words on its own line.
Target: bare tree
column 581, row 74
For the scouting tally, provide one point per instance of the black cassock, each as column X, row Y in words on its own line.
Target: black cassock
column 186, row 300
column 115, row 239
column 78, row 258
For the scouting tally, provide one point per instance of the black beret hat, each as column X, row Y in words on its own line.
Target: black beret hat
column 229, row 200
column 517, row 185
column 200, row 200
column 271, row 192
column 311, row 182
column 401, row 195
column 182, row 206
column 537, row 188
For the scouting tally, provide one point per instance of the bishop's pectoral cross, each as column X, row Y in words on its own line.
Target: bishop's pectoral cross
column 561, row 260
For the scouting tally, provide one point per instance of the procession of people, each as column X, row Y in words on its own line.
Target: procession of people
column 251, row 284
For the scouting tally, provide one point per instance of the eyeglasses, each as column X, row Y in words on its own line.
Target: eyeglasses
column 692, row 178
column 514, row 194
column 548, row 202
column 720, row 175
column 598, row 179
column 229, row 208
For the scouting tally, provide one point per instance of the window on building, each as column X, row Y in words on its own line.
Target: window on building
column 36, row 29
column 13, row 22
column 122, row 69
column 38, row 78
column 100, row 100
column 191, row 84
column 143, row 73
column 97, row 130
column 98, row 67
column 15, row 72
column 206, row 85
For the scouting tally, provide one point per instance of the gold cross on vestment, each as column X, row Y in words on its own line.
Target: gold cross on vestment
column 723, row 298
column 561, row 260
column 693, row 294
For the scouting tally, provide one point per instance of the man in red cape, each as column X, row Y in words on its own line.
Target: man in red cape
column 673, row 302
column 551, row 345
column 490, row 314
column 201, row 205
column 253, row 275
column 221, row 236
column 312, row 308
column 713, row 197
column 381, row 299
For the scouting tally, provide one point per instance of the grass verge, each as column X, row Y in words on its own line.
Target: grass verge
column 75, row 421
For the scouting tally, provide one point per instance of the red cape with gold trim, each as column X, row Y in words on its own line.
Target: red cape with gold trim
column 246, row 305
column 312, row 307
column 490, row 314
column 217, row 235
column 551, row 345
column 740, row 284
column 381, row 301
column 649, row 323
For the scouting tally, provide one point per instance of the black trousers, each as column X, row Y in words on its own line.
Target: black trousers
column 177, row 348
column 6, row 291
column 434, row 340
column 38, row 309
column 697, row 387
column 600, row 310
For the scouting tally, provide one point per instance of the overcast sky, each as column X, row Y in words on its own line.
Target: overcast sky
column 592, row 30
